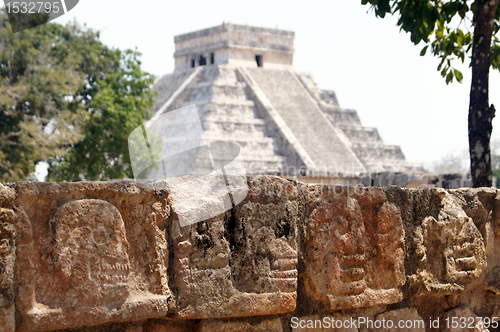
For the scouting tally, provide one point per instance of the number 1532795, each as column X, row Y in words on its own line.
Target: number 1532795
column 470, row 322
column 32, row 7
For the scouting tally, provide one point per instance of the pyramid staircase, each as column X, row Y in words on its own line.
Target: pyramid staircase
column 227, row 114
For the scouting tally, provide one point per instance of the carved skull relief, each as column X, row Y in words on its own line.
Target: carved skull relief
column 341, row 245
column 354, row 248
column 242, row 262
column 386, row 269
column 457, row 249
column 267, row 234
column 449, row 250
column 91, row 252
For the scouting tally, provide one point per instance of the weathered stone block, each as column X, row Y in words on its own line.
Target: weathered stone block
column 7, row 258
column 243, row 262
column 449, row 249
column 110, row 327
column 353, row 248
column 85, row 257
column 386, row 178
column 90, row 253
column 497, row 214
column 164, row 325
column 401, row 180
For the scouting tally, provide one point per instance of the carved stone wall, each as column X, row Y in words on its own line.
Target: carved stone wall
column 7, row 258
column 243, row 262
column 353, row 248
column 111, row 256
column 90, row 253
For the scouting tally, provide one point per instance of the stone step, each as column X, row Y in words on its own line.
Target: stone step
column 241, row 138
column 230, row 119
column 236, row 109
column 218, row 101
column 326, row 148
column 252, row 156
column 219, row 83
column 385, row 152
column 218, row 73
column 236, row 114
column 396, row 167
column 227, row 115
column 263, row 167
column 362, row 134
column 340, row 116
column 238, row 128
column 210, row 91
column 167, row 85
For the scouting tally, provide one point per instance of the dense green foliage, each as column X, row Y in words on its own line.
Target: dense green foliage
column 67, row 99
column 119, row 103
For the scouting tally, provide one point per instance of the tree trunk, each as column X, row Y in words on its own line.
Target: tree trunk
column 480, row 112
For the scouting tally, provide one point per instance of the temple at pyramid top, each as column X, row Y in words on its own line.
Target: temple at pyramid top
column 247, row 91
column 235, row 44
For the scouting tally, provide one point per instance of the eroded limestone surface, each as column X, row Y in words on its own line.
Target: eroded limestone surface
column 90, row 253
column 7, row 258
column 353, row 249
column 112, row 256
column 242, row 262
column 450, row 252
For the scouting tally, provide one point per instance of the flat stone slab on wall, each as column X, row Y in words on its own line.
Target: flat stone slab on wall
column 353, row 248
column 90, row 253
column 243, row 262
column 111, row 256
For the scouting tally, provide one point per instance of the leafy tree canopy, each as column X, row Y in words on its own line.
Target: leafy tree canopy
column 68, row 99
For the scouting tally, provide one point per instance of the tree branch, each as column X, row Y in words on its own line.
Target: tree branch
column 11, row 134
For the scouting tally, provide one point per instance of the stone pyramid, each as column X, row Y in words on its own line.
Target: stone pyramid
column 246, row 91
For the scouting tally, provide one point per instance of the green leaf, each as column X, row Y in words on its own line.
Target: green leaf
column 440, row 64
column 458, row 75
column 460, row 37
column 424, row 50
column 495, row 56
column 449, row 77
